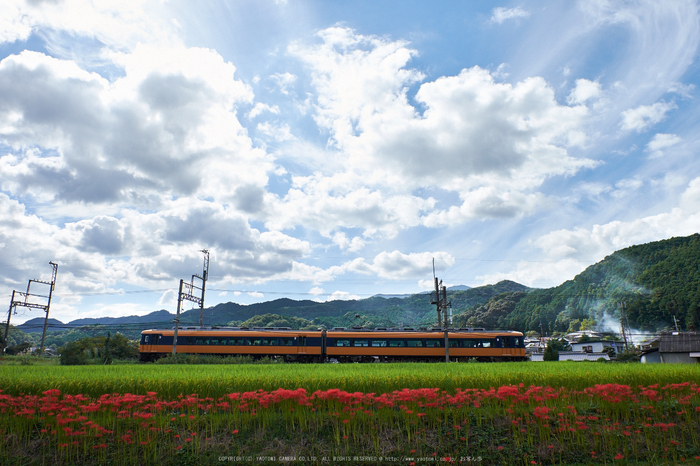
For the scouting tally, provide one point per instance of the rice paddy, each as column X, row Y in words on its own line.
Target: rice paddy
column 505, row 413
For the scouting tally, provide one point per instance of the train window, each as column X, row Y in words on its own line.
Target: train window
column 256, row 342
column 519, row 342
column 378, row 343
column 434, row 343
column 314, row 341
column 399, row 343
column 469, row 343
column 302, row 340
column 199, row 341
column 340, row 342
column 146, row 340
column 269, row 342
column 486, row 343
column 214, row 341
column 414, row 343
column 286, row 341
column 455, row 343
column 165, row 340
column 361, row 343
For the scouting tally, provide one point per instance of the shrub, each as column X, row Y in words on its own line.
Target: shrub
column 551, row 353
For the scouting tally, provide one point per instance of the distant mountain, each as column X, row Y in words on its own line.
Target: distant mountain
column 154, row 318
column 458, row 288
column 37, row 325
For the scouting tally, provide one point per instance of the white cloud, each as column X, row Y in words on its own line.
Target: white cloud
column 342, row 296
column 684, row 90
column 260, row 108
column 352, row 245
column 645, row 116
column 490, row 142
column 119, row 24
column 168, row 299
column 583, row 91
column 280, row 133
column 284, row 81
column 501, row 14
column 399, row 266
column 177, row 106
column 661, row 141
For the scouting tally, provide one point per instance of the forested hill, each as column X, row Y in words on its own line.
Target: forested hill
column 656, row 281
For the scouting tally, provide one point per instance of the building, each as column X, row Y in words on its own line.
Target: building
column 680, row 347
column 650, row 356
column 599, row 346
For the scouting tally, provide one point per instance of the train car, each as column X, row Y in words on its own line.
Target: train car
column 341, row 345
column 424, row 345
column 292, row 345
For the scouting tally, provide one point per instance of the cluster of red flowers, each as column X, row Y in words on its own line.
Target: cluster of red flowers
column 129, row 418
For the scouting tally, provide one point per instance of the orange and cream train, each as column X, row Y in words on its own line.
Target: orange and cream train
column 339, row 344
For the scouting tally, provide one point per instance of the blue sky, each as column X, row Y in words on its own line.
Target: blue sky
column 331, row 150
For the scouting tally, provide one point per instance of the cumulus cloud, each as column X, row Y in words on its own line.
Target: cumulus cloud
column 493, row 142
column 155, row 132
column 583, row 91
column 396, row 265
column 645, row 116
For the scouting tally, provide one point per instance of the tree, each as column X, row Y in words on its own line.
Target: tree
column 74, row 354
column 550, row 352
column 628, row 355
column 98, row 350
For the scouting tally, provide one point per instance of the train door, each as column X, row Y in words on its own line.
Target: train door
column 302, row 344
column 149, row 342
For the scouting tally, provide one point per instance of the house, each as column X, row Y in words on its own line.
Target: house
column 576, row 336
column 680, row 347
column 650, row 356
column 599, row 346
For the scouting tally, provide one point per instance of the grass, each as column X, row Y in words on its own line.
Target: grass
column 502, row 413
column 218, row 380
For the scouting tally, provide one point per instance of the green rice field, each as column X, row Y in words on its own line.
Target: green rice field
column 217, row 380
column 307, row 414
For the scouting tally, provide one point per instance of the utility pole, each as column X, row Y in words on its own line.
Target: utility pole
column 439, row 298
column 177, row 318
column 204, row 276
column 9, row 314
column 624, row 325
column 33, row 305
column 186, row 293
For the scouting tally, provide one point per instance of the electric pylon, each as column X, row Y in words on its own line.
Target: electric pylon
column 33, row 305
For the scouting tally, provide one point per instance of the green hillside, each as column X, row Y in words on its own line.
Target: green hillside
column 656, row 281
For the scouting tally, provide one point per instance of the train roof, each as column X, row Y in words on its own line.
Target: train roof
column 386, row 331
